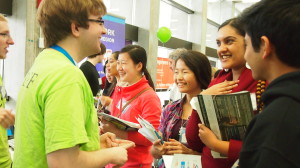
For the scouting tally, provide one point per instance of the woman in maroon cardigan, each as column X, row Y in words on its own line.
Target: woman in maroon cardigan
column 234, row 77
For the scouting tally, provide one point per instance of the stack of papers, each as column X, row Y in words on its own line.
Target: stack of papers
column 147, row 130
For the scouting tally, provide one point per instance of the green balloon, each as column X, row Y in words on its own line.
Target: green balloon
column 164, row 34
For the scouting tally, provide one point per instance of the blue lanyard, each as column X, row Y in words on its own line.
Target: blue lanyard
column 63, row 51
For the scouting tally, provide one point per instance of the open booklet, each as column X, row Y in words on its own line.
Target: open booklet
column 121, row 124
column 226, row 115
column 148, row 131
column 144, row 127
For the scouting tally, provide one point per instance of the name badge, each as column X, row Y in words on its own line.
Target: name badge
column 182, row 137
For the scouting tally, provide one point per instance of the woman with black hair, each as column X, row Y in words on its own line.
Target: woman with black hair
column 192, row 74
column 234, row 77
column 137, row 98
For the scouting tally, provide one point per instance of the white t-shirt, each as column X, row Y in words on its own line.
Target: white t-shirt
column 174, row 93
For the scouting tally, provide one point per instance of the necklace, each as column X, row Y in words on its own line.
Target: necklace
column 260, row 89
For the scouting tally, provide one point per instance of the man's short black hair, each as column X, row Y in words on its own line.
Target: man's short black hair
column 279, row 21
column 102, row 52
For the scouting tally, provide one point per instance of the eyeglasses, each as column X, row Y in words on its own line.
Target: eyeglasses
column 100, row 21
column 5, row 35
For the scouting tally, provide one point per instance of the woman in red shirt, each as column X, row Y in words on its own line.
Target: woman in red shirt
column 132, row 69
column 234, row 77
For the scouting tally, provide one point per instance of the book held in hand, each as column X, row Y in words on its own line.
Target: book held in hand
column 144, row 127
column 148, row 131
column 121, row 124
column 226, row 115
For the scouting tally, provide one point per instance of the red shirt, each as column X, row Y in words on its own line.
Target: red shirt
column 246, row 83
column 146, row 105
column 103, row 79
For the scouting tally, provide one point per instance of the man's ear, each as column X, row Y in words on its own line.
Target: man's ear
column 266, row 46
column 74, row 29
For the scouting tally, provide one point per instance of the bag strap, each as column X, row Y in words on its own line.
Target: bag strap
column 133, row 98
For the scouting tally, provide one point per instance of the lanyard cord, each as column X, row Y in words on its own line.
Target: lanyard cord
column 63, row 51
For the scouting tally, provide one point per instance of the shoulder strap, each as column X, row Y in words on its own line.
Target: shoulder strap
column 133, row 98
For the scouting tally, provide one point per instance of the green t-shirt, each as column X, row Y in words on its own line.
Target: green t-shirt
column 55, row 111
column 5, row 160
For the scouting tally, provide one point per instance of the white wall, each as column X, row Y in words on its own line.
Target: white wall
column 15, row 62
column 121, row 8
column 211, row 36
column 219, row 11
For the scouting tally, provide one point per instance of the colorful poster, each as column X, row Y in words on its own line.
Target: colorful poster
column 114, row 39
column 164, row 75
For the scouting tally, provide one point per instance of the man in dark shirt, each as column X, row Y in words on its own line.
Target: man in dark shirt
column 273, row 53
column 90, row 72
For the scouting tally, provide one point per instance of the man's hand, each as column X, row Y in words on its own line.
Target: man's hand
column 120, row 156
column 7, row 119
column 126, row 144
column 109, row 140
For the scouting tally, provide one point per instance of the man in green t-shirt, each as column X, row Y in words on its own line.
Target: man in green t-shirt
column 7, row 119
column 56, row 122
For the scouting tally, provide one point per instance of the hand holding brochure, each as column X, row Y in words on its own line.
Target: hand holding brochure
column 121, row 124
column 148, row 131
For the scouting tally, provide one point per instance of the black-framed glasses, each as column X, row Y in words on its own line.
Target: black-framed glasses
column 5, row 35
column 100, row 21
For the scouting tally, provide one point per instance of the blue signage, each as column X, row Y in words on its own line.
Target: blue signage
column 114, row 39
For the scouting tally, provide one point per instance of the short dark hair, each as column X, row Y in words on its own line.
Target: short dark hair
column 279, row 21
column 199, row 64
column 103, row 49
column 116, row 54
column 233, row 22
column 102, row 52
column 138, row 55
